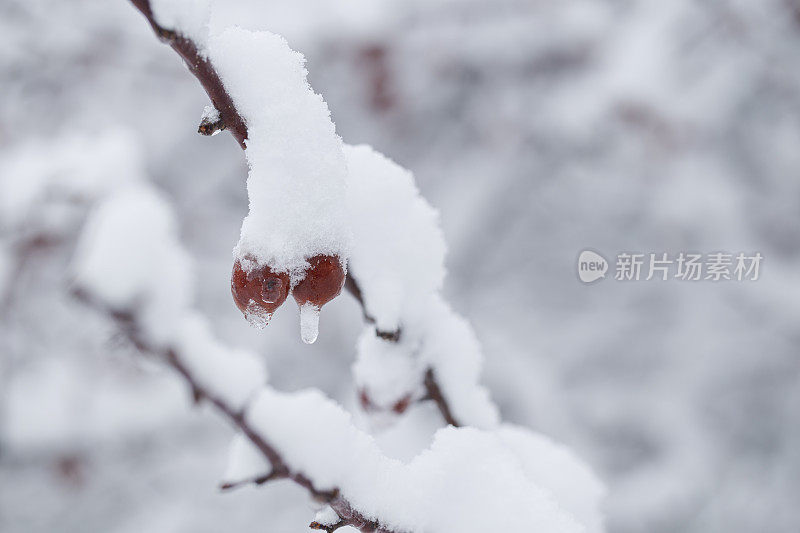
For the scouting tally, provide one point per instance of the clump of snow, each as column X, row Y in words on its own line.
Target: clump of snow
column 398, row 251
column 467, row 481
column 209, row 116
column 387, row 371
column 296, row 182
column 326, row 516
column 230, row 374
column 188, row 17
column 555, row 468
column 129, row 256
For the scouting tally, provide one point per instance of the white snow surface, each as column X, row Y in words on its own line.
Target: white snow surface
column 467, row 481
column 298, row 172
column 296, row 181
column 398, row 252
column 554, row 467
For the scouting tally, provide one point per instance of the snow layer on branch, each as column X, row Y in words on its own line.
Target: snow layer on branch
column 386, row 371
column 467, row 481
column 398, row 258
column 398, row 251
column 554, row 467
column 297, row 174
column 188, row 17
column 436, row 338
column 130, row 258
column 326, row 516
column 451, row 348
column 230, row 374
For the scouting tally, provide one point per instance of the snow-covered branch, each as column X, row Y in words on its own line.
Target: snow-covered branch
column 199, row 65
column 389, row 219
column 316, row 207
column 495, row 487
column 131, row 266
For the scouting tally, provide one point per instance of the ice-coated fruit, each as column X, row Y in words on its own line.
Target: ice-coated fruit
column 323, row 281
column 258, row 291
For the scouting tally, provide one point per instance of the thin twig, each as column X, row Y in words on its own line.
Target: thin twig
column 434, row 392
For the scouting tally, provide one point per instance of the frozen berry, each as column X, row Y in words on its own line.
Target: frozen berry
column 258, row 291
column 323, row 281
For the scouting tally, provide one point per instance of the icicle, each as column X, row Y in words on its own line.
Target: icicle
column 309, row 322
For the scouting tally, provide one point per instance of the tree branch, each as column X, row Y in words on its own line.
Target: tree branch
column 126, row 322
column 355, row 290
column 201, row 67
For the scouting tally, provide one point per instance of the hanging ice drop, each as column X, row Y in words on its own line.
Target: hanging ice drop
column 309, row 322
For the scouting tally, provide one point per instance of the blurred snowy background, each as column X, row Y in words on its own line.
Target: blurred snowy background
column 538, row 128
